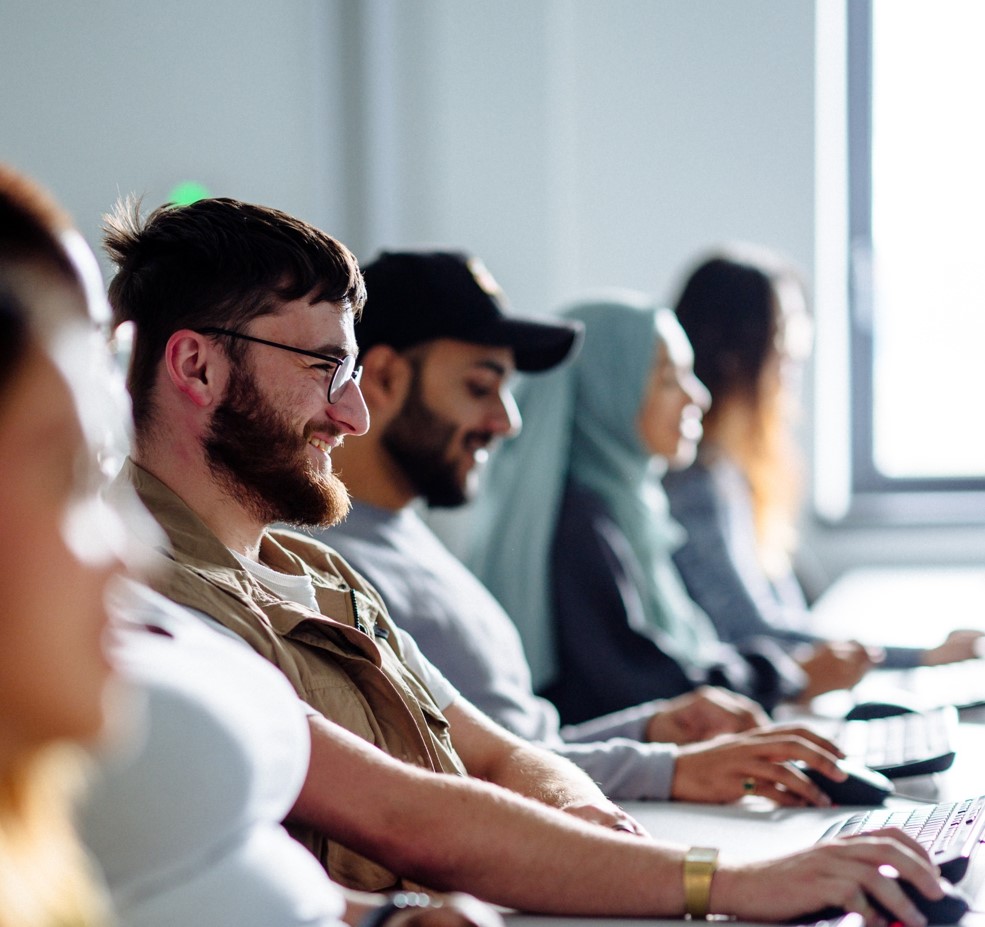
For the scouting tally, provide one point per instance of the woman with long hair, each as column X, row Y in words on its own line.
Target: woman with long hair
column 744, row 310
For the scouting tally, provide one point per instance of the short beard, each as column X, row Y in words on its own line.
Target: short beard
column 263, row 464
column 418, row 440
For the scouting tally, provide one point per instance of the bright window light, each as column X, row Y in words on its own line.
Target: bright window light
column 928, row 238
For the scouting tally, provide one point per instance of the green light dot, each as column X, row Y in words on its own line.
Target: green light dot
column 188, row 192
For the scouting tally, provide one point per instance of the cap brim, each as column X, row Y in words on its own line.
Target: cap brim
column 537, row 346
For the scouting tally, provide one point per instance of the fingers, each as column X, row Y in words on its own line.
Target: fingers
column 854, row 875
column 804, row 733
column 712, row 710
column 729, row 769
column 784, row 785
column 705, row 713
column 744, row 712
column 886, row 854
column 789, row 748
column 607, row 815
column 791, row 797
column 900, row 837
column 959, row 645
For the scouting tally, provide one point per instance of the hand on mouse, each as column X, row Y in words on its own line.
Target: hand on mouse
column 726, row 768
column 846, row 873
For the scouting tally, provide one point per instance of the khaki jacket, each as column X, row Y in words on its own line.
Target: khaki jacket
column 345, row 662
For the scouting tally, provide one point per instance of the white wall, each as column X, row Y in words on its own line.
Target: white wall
column 577, row 143
column 571, row 143
column 110, row 96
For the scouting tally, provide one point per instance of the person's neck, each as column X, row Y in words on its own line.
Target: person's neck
column 225, row 516
column 729, row 429
column 371, row 475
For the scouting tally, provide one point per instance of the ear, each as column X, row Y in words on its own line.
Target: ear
column 386, row 378
column 191, row 363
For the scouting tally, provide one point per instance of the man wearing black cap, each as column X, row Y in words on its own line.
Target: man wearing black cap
column 438, row 347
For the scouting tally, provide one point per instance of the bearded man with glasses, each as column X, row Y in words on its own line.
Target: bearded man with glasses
column 242, row 385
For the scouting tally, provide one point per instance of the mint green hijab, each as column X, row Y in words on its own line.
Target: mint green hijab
column 580, row 422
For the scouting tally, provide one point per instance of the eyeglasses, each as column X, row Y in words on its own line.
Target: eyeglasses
column 345, row 372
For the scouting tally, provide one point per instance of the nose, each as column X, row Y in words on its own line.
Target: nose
column 507, row 420
column 350, row 413
column 698, row 393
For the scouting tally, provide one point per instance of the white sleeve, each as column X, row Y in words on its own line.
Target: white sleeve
column 443, row 692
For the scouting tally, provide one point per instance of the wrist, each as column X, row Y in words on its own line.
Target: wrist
column 727, row 891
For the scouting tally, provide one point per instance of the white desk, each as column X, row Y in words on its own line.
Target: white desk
column 908, row 606
column 754, row 829
column 914, row 607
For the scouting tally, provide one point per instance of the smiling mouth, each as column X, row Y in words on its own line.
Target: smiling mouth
column 691, row 429
column 320, row 444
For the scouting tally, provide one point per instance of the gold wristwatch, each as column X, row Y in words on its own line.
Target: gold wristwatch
column 699, row 866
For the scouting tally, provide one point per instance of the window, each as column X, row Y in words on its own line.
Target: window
column 916, row 258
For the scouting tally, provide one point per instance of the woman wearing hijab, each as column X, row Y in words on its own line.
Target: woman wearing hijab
column 575, row 537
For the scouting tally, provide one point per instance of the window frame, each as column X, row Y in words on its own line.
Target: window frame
column 872, row 495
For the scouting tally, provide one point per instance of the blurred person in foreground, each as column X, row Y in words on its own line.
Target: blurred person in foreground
column 59, row 550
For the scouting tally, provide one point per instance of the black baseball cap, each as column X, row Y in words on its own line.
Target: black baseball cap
column 417, row 296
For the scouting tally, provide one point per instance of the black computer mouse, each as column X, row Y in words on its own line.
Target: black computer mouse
column 866, row 711
column 863, row 786
column 947, row 910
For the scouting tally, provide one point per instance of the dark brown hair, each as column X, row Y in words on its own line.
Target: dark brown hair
column 216, row 262
column 731, row 312
column 30, row 225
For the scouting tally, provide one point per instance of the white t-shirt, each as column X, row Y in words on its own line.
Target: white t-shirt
column 185, row 820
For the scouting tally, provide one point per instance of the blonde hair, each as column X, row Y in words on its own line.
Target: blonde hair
column 730, row 307
column 773, row 466
column 46, row 880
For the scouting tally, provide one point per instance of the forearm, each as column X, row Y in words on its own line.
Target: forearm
column 455, row 833
column 494, row 755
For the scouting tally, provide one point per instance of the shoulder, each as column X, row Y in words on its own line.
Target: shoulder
column 692, row 492
column 587, row 535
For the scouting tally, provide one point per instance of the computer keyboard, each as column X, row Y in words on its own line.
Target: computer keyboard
column 910, row 744
column 949, row 831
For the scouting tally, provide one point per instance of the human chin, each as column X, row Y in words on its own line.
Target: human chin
column 261, row 459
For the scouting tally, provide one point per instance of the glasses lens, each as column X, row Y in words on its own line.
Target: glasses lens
column 340, row 379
